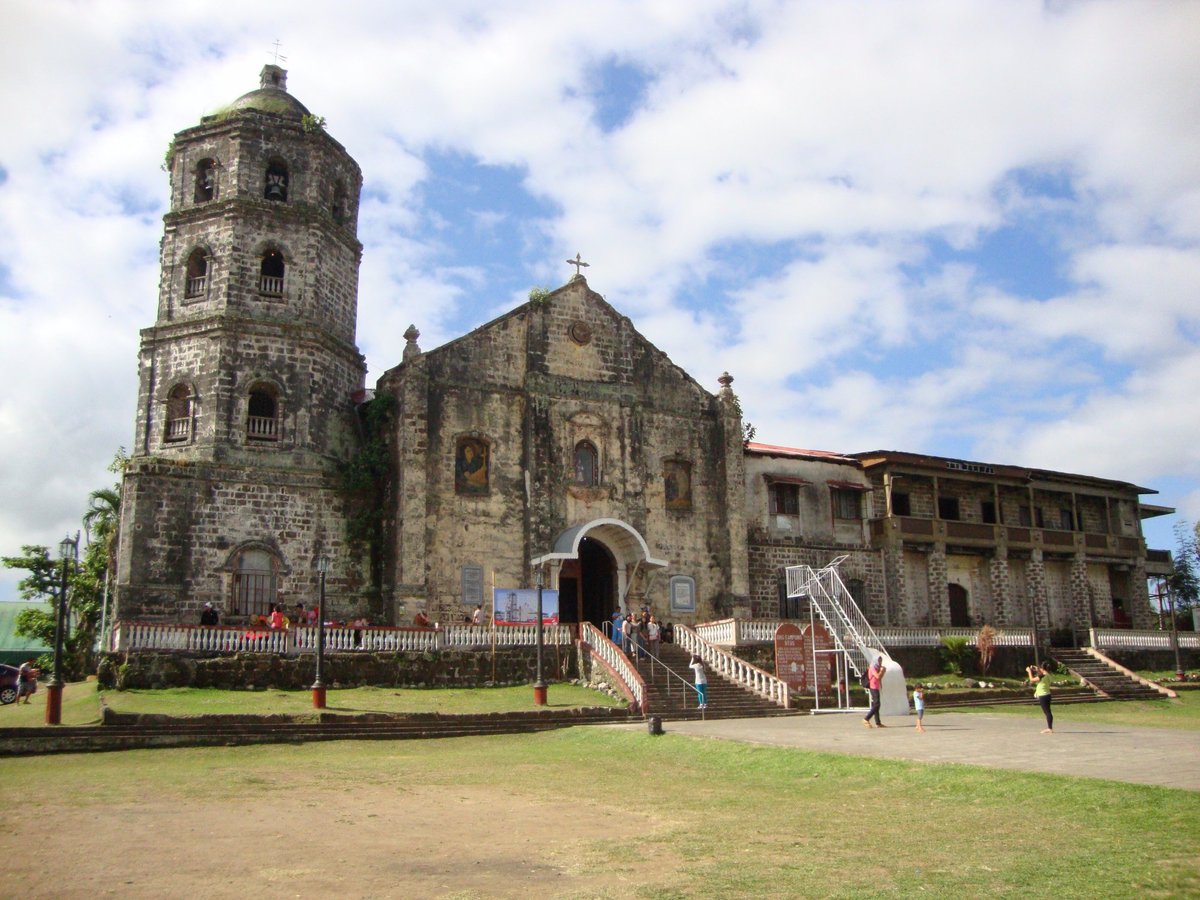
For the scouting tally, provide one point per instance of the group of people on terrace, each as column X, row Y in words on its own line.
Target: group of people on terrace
column 639, row 634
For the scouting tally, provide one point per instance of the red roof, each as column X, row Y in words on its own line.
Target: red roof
column 776, row 450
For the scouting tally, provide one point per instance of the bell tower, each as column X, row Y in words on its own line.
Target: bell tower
column 249, row 374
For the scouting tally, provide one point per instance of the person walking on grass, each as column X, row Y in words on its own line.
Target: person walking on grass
column 701, row 682
column 919, row 706
column 874, row 684
column 1040, row 677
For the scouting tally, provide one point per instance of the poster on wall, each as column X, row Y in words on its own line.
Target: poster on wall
column 518, row 606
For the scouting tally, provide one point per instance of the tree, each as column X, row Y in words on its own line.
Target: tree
column 85, row 582
column 1183, row 582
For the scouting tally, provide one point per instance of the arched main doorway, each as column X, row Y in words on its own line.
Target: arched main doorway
column 596, row 563
column 587, row 586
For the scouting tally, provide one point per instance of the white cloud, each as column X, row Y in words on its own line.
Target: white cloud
column 771, row 207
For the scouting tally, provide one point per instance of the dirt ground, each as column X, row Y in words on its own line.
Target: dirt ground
column 312, row 840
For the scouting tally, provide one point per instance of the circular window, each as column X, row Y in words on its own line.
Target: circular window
column 581, row 332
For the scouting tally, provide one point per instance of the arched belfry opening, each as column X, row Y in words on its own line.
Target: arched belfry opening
column 599, row 567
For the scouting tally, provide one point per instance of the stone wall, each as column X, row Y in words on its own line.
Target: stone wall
column 187, row 522
column 448, row 668
column 771, row 555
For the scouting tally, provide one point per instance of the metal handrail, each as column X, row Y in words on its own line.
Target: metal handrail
column 734, row 668
column 673, row 674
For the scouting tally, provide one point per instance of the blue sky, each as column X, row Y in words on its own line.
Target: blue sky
column 967, row 229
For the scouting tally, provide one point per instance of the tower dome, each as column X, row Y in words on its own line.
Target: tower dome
column 272, row 96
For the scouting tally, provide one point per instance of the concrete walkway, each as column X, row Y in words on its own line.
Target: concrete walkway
column 1138, row 756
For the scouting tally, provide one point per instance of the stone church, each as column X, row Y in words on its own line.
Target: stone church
column 553, row 441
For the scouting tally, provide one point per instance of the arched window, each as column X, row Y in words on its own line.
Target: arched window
column 255, row 583
column 587, row 464
column 178, row 426
column 197, row 274
column 206, row 181
column 262, row 414
column 271, row 273
column 337, row 208
column 276, row 187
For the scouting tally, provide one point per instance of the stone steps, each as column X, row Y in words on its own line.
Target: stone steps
column 135, row 732
column 1103, row 677
column 726, row 700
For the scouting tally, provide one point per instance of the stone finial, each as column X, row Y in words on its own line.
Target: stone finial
column 411, row 350
column 725, row 381
column 272, row 76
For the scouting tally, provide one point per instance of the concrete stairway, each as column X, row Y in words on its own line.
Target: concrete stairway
column 1103, row 676
column 673, row 697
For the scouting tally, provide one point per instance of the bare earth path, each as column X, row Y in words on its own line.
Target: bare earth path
column 311, row 839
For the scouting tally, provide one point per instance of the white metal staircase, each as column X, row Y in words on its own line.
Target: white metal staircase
column 827, row 595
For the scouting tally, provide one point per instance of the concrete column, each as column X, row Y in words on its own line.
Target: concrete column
column 939, row 597
column 895, row 585
column 1081, row 613
column 1036, row 577
column 1001, row 581
column 1142, row 616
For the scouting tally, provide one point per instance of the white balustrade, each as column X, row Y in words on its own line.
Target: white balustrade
column 724, row 632
column 131, row 636
column 617, row 662
column 734, row 669
column 1128, row 639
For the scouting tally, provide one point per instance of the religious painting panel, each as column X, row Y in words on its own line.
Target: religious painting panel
column 471, row 467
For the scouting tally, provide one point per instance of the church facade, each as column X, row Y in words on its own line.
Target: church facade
column 554, row 441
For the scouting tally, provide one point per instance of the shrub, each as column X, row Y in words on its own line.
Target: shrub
column 954, row 652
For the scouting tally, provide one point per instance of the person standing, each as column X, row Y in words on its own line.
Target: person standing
column 1040, row 677
column 27, row 677
column 701, row 682
column 874, row 685
column 208, row 616
column 477, row 616
column 919, row 706
column 654, row 636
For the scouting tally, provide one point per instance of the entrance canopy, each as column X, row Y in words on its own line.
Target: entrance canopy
column 623, row 541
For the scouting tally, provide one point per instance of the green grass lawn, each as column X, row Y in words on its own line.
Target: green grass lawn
column 81, row 702
column 747, row 820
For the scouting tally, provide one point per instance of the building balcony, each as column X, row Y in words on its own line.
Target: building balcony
column 983, row 536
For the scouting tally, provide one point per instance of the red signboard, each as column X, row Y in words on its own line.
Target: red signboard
column 789, row 656
column 817, row 643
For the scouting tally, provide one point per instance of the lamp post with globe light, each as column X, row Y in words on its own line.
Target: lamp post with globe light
column 539, row 686
column 68, row 552
column 318, row 688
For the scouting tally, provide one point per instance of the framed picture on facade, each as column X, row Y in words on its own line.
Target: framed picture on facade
column 471, row 467
column 683, row 594
column 677, row 484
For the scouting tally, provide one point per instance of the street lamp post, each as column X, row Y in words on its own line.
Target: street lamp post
column 68, row 551
column 318, row 688
column 539, row 686
column 1174, row 635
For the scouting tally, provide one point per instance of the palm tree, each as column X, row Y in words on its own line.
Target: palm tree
column 102, row 520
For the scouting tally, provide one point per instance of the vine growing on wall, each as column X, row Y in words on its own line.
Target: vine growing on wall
column 364, row 483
